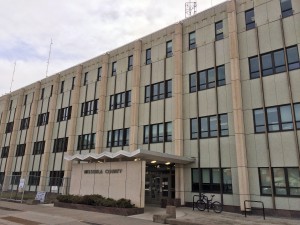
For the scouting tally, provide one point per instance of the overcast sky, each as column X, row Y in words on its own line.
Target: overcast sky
column 80, row 30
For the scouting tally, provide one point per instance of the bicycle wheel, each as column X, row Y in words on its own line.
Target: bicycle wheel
column 217, row 207
column 201, row 205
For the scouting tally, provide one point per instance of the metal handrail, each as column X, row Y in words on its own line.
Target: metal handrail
column 263, row 207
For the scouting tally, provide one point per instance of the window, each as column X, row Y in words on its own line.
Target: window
column 211, row 178
column 43, row 119
column 43, row 92
column 114, row 69
column 56, row 178
column 24, row 123
column 51, row 90
column 221, row 76
column 118, row 138
column 273, row 63
column 286, row 8
column 4, row 152
column 169, row 49
column 293, row 58
column 60, row 144
column 192, row 40
column 130, row 62
column 10, row 105
column 157, row 133
column 9, row 127
column 206, row 127
column 34, row 178
column 286, row 181
column 20, row 150
column 158, row 91
column 99, row 73
column 15, row 178
column 219, row 30
column 148, row 56
column 38, row 148
column 253, row 67
column 73, row 82
column 64, row 114
column 89, row 108
column 297, row 115
column 2, row 175
column 120, row 100
column 62, row 86
column 25, row 100
column 250, row 20
column 85, row 81
column 279, row 118
column 86, row 141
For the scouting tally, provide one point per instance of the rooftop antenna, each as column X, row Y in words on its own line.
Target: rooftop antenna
column 49, row 57
column 12, row 79
column 190, row 8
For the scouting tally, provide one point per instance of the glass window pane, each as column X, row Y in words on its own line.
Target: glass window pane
column 213, row 126
column 161, row 132
column 293, row 58
column 204, row 127
column 227, row 181
column 161, row 90
column 202, row 80
column 254, row 67
column 216, row 176
column 273, row 123
column 194, row 128
column 266, row 61
column 279, row 181
column 294, row 181
column 286, row 117
column 297, row 114
column 146, row 134
column 221, row 75
column 211, row 78
column 147, row 94
column 154, row 134
column 193, row 82
column 224, row 125
column 259, row 120
column 169, row 131
column 155, row 92
column 279, row 61
column 205, row 176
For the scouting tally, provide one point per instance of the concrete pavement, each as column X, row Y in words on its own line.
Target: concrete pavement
column 16, row 214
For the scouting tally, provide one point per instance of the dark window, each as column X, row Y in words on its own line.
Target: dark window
column 286, row 8
column 253, row 67
column 51, row 90
column 43, row 119
column 62, row 86
column 60, row 144
column 114, row 69
column 4, row 152
column 259, row 120
column 34, row 178
column 169, row 49
column 73, row 82
column 297, row 115
column 85, row 81
column 148, row 56
column 193, row 83
column 250, row 20
column 158, row 133
column 38, row 148
column 293, row 58
column 64, row 114
column 24, row 123
column 219, row 30
column 272, row 63
column 206, row 127
column 10, row 105
column 25, row 100
column 118, row 138
column 56, row 178
column 158, row 91
column 211, row 178
column 99, row 73
column 86, row 141
column 2, row 175
column 20, row 150
column 286, row 181
column 192, row 40
column 130, row 62
column 120, row 100
column 89, row 108
column 9, row 127
column 15, row 178
column 221, row 75
column 43, row 92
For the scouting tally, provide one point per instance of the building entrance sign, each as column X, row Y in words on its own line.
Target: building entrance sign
column 103, row 171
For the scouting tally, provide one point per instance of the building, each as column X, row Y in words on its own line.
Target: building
column 217, row 91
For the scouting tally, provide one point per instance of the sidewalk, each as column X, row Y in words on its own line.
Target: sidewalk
column 16, row 214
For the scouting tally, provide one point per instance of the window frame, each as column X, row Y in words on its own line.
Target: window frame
column 219, row 33
column 90, row 141
column 192, row 40
column 114, row 68
column 148, row 56
column 121, row 140
column 60, row 145
column 43, row 119
column 286, row 12
column 169, row 49
column 161, row 133
column 130, row 63
column 89, row 108
column 250, row 24
column 64, row 114
column 38, row 148
column 20, row 150
column 99, row 73
column 25, row 123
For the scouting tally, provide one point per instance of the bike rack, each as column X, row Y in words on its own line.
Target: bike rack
column 194, row 200
column 263, row 207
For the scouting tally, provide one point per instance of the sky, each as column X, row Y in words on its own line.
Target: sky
column 79, row 29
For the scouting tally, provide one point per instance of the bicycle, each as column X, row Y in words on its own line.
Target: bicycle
column 205, row 203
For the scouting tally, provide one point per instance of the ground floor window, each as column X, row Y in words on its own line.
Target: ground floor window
column 34, row 178
column 286, row 181
column 56, row 178
column 211, row 178
column 15, row 179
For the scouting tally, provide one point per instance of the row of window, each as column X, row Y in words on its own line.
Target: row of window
column 60, row 144
column 208, row 126
column 158, row 133
column 118, row 138
column 120, row 100
column 208, row 78
column 158, row 91
column 86, row 141
column 55, row 179
column 89, row 108
column 274, row 62
column 278, row 118
column 64, row 114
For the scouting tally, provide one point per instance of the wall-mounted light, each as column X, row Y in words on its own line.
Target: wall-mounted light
column 154, row 161
column 167, row 163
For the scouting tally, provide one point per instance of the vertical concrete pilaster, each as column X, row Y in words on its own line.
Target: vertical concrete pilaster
column 135, row 96
column 102, row 104
column 237, row 104
column 48, row 136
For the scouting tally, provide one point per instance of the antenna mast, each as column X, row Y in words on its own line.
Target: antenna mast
column 190, row 8
column 12, row 79
column 49, row 57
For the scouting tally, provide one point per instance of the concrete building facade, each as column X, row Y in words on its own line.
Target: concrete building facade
column 214, row 98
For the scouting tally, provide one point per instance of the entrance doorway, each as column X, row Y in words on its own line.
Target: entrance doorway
column 159, row 183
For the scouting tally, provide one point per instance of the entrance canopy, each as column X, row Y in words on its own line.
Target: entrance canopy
column 139, row 154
